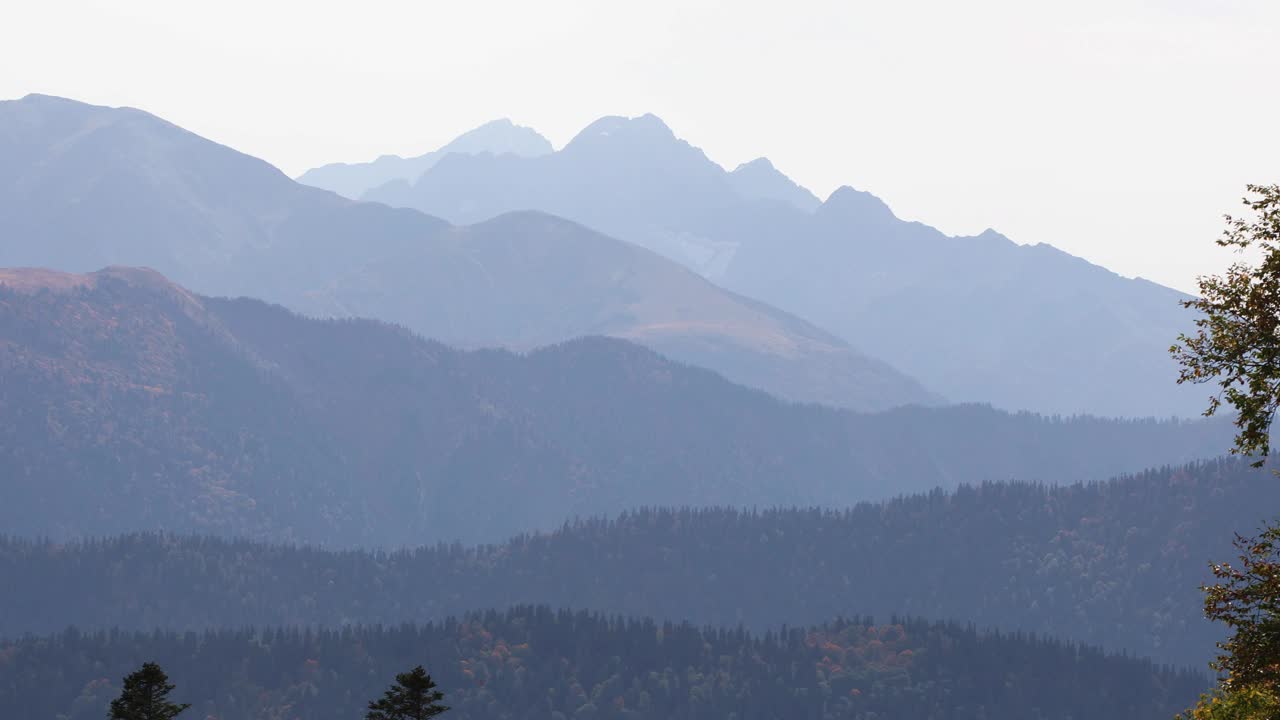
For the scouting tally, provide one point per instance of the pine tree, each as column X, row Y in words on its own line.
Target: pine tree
column 413, row 697
column 146, row 696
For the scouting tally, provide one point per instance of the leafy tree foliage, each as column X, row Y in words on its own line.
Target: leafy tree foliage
column 413, row 697
column 537, row 664
column 1237, row 344
column 146, row 696
column 1113, row 563
column 1245, row 703
column 1247, row 599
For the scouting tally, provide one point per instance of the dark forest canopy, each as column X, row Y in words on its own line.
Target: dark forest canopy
column 129, row 404
column 536, row 664
column 1115, row 564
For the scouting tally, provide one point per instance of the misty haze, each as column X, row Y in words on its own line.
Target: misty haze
column 570, row 361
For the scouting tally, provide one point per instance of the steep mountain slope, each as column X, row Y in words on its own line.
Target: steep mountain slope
column 531, row 279
column 499, row 137
column 84, row 187
column 981, row 317
column 537, row 664
column 978, row 319
column 1115, row 564
column 127, row 403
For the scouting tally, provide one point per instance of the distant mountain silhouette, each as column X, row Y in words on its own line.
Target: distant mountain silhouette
column 83, row 187
column 498, row 137
column 129, row 403
column 760, row 180
column 976, row 318
column 631, row 178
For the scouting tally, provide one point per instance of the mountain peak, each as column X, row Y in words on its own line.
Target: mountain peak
column 142, row 277
column 499, row 137
column 57, row 106
column 43, row 98
column 760, row 164
column 992, row 237
column 56, row 101
column 647, row 127
column 371, row 179
column 759, row 180
column 27, row 280
column 848, row 202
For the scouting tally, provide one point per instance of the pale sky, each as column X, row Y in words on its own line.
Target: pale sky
column 1118, row 130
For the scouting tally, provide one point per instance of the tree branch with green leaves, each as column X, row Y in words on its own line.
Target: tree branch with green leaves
column 1237, row 339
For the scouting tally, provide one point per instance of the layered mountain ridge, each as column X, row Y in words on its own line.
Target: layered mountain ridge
column 85, row 187
column 978, row 319
column 351, row 180
column 128, row 403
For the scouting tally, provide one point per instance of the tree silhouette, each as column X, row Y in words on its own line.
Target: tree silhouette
column 413, row 697
column 146, row 696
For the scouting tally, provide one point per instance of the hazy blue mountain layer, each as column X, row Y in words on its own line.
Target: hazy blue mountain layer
column 352, row 180
column 976, row 318
column 84, row 187
column 128, row 403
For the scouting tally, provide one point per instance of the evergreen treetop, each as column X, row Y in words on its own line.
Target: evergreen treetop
column 413, row 697
column 146, row 696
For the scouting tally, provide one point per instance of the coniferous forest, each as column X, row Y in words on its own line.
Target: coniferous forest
column 533, row 662
column 1114, row 564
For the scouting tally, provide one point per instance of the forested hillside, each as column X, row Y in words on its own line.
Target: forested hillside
column 535, row 664
column 1114, row 564
column 127, row 403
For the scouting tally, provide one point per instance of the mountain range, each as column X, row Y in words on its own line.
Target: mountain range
column 499, row 137
column 975, row 318
column 530, row 416
column 85, row 187
column 604, row 431
column 130, row 403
